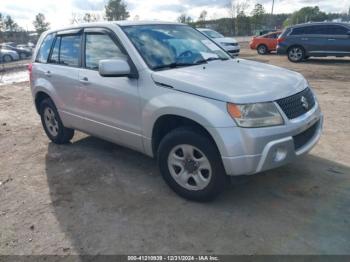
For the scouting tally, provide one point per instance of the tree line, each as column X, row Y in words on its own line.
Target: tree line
column 242, row 23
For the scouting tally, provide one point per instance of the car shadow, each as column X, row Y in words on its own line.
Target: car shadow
column 110, row 200
column 326, row 61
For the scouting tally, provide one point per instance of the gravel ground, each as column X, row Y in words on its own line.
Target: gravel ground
column 93, row 197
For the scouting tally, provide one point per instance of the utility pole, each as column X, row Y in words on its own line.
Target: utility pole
column 273, row 5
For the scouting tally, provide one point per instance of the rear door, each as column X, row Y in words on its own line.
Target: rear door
column 111, row 104
column 338, row 40
column 62, row 72
column 314, row 39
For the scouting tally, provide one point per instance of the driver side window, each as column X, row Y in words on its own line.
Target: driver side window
column 98, row 47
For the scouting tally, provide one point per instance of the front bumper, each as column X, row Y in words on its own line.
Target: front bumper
column 253, row 150
column 233, row 50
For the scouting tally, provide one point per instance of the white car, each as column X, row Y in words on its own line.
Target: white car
column 228, row 43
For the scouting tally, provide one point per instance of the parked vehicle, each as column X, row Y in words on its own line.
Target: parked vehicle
column 265, row 44
column 265, row 32
column 7, row 56
column 228, row 43
column 23, row 53
column 315, row 40
column 168, row 91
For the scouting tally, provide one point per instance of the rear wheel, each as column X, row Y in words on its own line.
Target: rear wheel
column 52, row 123
column 262, row 50
column 191, row 165
column 22, row 56
column 296, row 54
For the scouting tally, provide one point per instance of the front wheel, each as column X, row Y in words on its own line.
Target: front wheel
column 7, row 58
column 52, row 123
column 191, row 165
column 296, row 54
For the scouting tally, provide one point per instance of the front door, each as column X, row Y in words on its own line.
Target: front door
column 110, row 104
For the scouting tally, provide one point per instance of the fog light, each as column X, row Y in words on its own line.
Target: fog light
column 280, row 154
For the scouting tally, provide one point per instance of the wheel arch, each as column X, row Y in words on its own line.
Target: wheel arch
column 169, row 122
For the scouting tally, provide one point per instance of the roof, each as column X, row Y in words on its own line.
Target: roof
column 320, row 23
column 119, row 23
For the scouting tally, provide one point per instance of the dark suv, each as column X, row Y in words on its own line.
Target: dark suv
column 315, row 39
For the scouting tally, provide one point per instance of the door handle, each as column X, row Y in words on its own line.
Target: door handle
column 305, row 38
column 84, row 80
column 331, row 39
column 48, row 73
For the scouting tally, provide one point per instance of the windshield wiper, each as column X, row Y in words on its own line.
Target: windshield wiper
column 175, row 65
column 213, row 59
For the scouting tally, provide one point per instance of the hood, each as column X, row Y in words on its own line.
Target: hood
column 235, row 80
column 225, row 40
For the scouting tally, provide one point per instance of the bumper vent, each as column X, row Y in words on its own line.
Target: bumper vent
column 298, row 104
column 303, row 138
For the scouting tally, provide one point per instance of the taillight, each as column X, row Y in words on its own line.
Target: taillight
column 280, row 40
column 30, row 70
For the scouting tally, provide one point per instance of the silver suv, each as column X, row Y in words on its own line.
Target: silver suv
column 170, row 92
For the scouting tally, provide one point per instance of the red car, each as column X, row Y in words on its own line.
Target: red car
column 266, row 43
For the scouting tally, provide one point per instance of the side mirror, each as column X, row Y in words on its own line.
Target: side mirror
column 348, row 33
column 114, row 68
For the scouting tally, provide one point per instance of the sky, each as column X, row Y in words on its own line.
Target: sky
column 59, row 13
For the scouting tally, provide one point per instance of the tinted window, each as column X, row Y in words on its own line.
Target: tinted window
column 99, row 47
column 55, row 52
column 337, row 30
column 298, row 31
column 45, row 48
column 70, row 50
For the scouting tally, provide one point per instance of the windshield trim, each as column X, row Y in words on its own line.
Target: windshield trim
column 123, row 27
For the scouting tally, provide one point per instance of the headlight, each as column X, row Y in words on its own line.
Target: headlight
column 255, row 115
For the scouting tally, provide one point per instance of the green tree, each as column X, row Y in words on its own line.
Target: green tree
column 307, row 14
column 116, row 10
column 89, row 17
column 10, row 25
column 203, row 16
column 258, row 15
column 40, row 24
column 2, row 26
column 183, row 18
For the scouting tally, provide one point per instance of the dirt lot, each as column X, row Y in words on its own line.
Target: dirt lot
column 93, row 197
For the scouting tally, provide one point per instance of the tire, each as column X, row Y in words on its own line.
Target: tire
column 202, row 180
column 262, row 50
column 52, row 123
column 7, row 58
column 22, row 56
column 296, row 54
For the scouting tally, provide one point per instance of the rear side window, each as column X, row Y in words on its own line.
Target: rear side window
column 45, row 48
column 69, row 50
column 338, row 30
column 298, row 31
column 94, row 53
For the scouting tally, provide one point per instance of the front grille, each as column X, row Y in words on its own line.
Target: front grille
column 298, row 104
column 303, row 138
column 231, row 44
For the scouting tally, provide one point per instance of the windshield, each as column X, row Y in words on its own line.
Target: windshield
column 212, row 34
column 170, row 46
